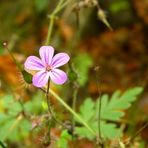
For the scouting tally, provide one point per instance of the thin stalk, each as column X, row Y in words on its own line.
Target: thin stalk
column 50, row 29
column 99, row 111
column 99, row 114
column 52, row 17
column 61, row 6
column 58, row 7
column 72, row 112
column 50, row 109
column 74, row 106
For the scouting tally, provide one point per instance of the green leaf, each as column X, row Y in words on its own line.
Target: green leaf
column 13, row 126
column 64, row 138
column 110, row 130
column 111, row 110
column 4, row 128
column 87, row 110
column 14, row 129
column 12, row 106
column 82, row 63
column 84, row 132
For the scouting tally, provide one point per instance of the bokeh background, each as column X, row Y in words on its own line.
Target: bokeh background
column 121, row 54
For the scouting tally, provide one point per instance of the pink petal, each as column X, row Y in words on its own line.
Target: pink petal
column 33, row 63
column 46, row 54
column 58, row 76
column 59, row 60
column 40, row 79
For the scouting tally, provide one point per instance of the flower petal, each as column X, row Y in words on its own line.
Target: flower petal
column 46, row 54
column 33, row 63
column 58, row 76
column 59, row 60
column 40, row 79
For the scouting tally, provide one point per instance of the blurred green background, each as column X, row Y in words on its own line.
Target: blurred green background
column 121, row 55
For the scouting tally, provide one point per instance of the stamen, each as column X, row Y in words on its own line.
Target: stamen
column 48, row 67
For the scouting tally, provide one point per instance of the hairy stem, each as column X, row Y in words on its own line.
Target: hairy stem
column 50, row 109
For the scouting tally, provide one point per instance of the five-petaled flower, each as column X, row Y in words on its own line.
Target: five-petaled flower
column 47, row 66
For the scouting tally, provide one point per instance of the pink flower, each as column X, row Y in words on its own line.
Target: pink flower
column 47, row 66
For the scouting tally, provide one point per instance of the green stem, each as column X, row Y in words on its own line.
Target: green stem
column 72, row 112
column 74, row 105
column 50, row 109
column 58, row 8
column 50, row 29
column 61, row 6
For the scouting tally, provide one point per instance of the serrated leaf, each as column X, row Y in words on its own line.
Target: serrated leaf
column 131, row 94
column 87, row 110
column 112, row 110
column 84, row 132
column 110, row 130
